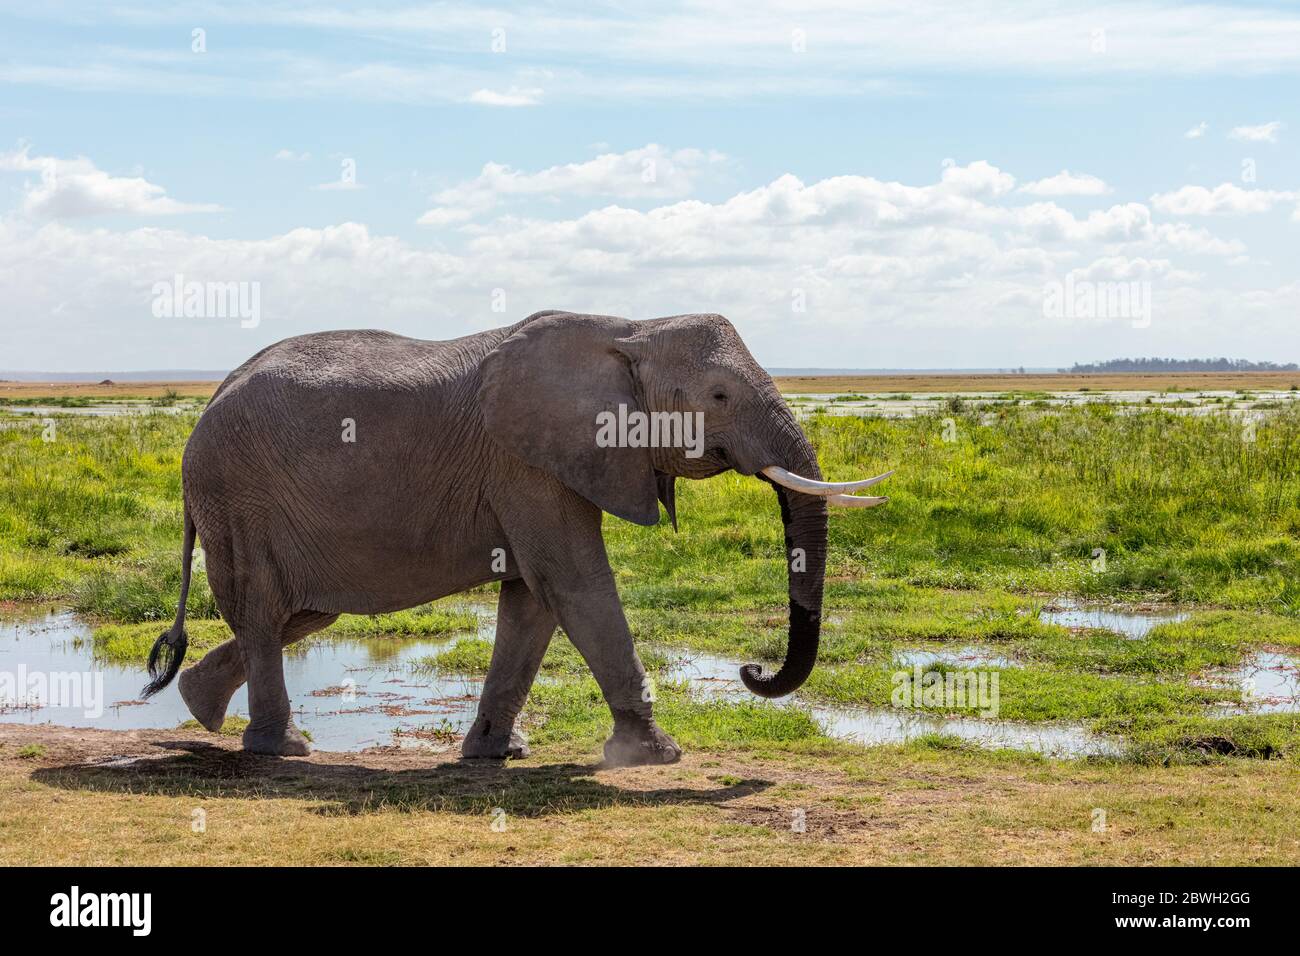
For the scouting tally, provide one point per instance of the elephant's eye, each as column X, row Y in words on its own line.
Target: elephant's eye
column 719, row 396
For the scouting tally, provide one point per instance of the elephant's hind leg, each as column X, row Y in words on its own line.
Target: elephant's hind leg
column 270, row 729
column 208, row 686
column 524, row 630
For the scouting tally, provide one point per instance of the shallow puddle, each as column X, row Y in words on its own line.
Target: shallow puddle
column 970, row 657
column 352, row 694
column 348, row 694
column 1269, row 682
column 104, row 410
column 899, row 405
column 719, row 678
column 1132, row 623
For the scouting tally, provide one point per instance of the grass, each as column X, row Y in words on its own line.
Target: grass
column 573, row 713
column 1183, row 508
column 981, row 532
column 130, row 643
column 471, row 655
column 231, row 727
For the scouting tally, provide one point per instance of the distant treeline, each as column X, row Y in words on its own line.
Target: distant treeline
column 1182, row 365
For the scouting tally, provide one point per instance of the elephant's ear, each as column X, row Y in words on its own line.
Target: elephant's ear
column 543, row 394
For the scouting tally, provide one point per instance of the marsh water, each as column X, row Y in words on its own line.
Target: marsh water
column 354, row 694
column 897, row 405
column 1131, row 622
column 349, row 694
column 1238, row 403
column 718, row 678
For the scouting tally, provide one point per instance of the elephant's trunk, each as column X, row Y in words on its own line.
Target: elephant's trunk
column 804, row 517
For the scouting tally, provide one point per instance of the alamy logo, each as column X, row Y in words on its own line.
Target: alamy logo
column 947, row 690
column 178, row 299
column 638, row 429
column 103, row 909
column 1085, row 299
column 79, row 690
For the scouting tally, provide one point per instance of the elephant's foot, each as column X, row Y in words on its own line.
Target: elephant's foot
column 637, row 742
column 206, row 696
column 481, row 743
column 288, row 742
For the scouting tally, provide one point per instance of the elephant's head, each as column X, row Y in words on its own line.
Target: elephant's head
column 617, row 410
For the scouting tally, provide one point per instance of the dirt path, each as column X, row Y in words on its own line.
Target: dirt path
column 168, row 797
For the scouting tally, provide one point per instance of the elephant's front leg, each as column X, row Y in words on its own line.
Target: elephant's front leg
column 555, row 536
column 595, row 623
column 524, row 631
column 593, row 618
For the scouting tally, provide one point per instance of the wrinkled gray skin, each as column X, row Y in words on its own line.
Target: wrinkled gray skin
column 463, row 447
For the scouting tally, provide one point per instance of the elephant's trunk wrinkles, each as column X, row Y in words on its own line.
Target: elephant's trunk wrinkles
column 804, row 517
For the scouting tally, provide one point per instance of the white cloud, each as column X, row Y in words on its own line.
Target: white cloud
column 1264, row 133
column 1066, row 183
column 75, row 188
column 977, row 178
column 881, row 264
column 652, row 171
column 1180, row 237
column 511, row 97
column 289, row 156
column 1226, row 199
column 1197, row 131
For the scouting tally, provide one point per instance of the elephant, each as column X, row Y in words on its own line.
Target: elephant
column 364, row 472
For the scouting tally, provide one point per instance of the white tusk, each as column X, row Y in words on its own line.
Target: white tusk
column 809, row 487
column 855, row 501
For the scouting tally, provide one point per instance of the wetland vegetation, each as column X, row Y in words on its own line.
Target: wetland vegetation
column 995, row 514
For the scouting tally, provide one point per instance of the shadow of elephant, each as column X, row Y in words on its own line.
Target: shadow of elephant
column 349, row 787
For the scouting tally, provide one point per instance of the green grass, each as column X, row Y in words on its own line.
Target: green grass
column 573, row 712
column 130, row 643
column 1201, row 739
column 979, row 534
column 428, row 620
column 471, row 656
column 1183, row 508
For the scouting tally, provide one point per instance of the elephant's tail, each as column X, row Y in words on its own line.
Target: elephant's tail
column 168, row 651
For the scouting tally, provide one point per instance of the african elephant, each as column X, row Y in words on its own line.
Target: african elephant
column 366, row 472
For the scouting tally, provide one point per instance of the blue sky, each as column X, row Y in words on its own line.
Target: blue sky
column 854, row 185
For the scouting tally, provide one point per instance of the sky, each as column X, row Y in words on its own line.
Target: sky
column 854, row 185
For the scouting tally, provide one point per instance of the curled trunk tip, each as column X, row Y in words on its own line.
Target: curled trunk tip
column 800, row 656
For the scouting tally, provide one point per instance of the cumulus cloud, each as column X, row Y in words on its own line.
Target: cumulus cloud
column 1264, row 133
column 873, row 260
column 76, row 188
column 1197, row 131
column 1226, row 199
column 289, row 156
column 1066, row 183
column 652, row 171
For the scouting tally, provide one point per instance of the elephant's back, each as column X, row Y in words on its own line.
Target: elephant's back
column 358, row 359
column 330, row 405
